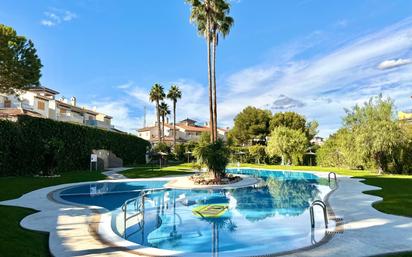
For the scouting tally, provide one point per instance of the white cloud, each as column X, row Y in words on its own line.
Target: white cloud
column 47, row 23
column 344, row 76
column 122, row 112
column 342, row 23
column 325, row 83
column 141, row 94
column 125, row 85
column 55, row 16
column 68, row 16
column 389, row 64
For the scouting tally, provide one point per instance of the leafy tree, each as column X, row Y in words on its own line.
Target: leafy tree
column 290, row 120
column 161, row 147
column 377, row 133
column 19, row 64
column 251, row 123
column 204, row 137
column 338, row 151
column 215, row 156
column 164, row 111
column 295, row 121
column 179, row 150
column 286, row 142
column 174, row 94
column 156, row 95
column 258, row 152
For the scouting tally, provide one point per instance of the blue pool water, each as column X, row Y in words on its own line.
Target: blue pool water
column 110, row 195
column 267, row 218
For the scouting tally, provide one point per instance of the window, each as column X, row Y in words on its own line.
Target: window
column 40, row 105
column 63, row 110
column 7, row 103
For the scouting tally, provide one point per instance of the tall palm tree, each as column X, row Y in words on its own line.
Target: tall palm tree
column 157, row 94
column 202, row 15
column 211, row 17
column 222, row 25
column 164, row 111
column 174, row 94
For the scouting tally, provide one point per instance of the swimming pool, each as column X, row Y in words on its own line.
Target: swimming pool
column 269, row 217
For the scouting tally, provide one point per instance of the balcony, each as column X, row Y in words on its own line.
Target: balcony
column 98, row 123
column 68, row 117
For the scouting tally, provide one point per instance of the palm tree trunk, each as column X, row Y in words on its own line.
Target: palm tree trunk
column 174, row 124
column 214, row 85
column 209, row 76
column 158, row 121
column 163, row 127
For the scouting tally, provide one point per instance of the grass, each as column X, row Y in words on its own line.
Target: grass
column 14, row 240
column 149, row 171
column 396, row 193
column 13, row 187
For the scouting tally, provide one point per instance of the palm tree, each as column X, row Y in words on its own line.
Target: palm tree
column 202, row 15
column 174, row 94
column 222, row 25
column 157, row 94
column 164, row 111
column 211, row 17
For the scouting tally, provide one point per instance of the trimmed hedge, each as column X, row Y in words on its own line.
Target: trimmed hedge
column 26, row 146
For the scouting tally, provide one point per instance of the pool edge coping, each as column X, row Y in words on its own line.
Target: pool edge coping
column 141, row 250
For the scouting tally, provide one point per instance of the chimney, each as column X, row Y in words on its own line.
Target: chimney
column 73, row 101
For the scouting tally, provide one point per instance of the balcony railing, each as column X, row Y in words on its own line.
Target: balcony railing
column 97, row 123
column 70, row 118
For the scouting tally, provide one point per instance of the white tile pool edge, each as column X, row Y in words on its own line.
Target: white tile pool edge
column 106, row 232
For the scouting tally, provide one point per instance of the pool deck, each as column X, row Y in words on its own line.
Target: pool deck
column 74, row 229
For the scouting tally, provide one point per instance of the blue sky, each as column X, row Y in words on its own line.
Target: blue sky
column 310, row 56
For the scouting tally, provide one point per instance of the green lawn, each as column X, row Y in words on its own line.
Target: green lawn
column 396, row 192
column 149, row 171
column 14, row 240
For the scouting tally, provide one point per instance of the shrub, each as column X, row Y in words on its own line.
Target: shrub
column 31, row 145
column 215, row 156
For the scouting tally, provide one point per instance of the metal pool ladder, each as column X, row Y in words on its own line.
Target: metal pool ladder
column 312, row 215
column 138, row 203
column 334, row 176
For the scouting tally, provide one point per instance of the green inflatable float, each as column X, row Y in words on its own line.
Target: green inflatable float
column 210, row 210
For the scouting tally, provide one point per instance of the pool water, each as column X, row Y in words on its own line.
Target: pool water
column 270, row 217
column 110, row 195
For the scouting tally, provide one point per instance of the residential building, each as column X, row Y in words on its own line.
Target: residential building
column 317, row 140
column 42, row 102
column 405, row 115
column 186, row 130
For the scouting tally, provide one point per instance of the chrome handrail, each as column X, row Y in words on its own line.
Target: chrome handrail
column 138, row 206
column 312, row 215
column 334, row 176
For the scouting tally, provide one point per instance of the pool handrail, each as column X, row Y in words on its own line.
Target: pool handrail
column 138, row 206
column 312, row 215
column 334, row 176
